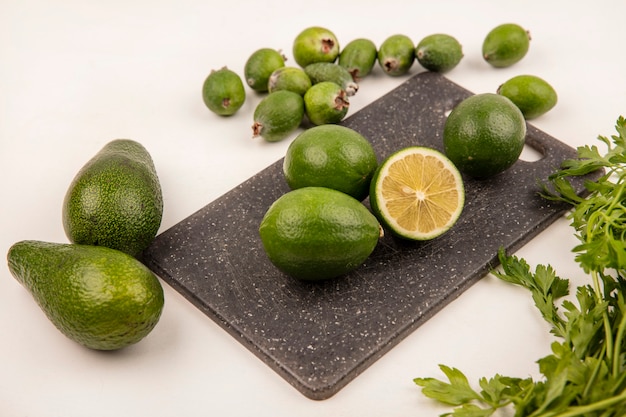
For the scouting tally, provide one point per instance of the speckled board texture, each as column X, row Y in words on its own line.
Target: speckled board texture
column 320, row 336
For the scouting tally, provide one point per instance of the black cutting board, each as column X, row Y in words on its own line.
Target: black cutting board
column 320, row 336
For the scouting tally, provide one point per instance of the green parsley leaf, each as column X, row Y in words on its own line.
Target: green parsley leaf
column 585, row 373
column 456, row 392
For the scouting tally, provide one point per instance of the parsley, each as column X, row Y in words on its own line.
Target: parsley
column 585, row 374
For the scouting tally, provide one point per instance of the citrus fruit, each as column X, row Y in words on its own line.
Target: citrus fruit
column 316, row 233
column 223, row 92
column 439, row 52
column 417, row 193
column 315, row 44
column 533, row 95
column 331, row 156
column 505, row 45
column 484, row 135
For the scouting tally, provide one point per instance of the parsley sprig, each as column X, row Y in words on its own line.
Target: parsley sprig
column 585, row 374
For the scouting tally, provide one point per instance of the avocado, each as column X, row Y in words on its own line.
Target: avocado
column 115, row 200
column 99, row 297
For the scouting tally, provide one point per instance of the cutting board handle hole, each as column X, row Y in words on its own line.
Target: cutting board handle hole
column 530, row 154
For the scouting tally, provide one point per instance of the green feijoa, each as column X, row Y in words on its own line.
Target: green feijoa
column 505, row 45
column 396, row 55
column 315, row 44
column 327, row 71
column 439, row 52
column 260, row 66
column 278, row 115
column 358, row 57
column 289, row 78
column 223, row 92
column 326, row 102
column 533, row 95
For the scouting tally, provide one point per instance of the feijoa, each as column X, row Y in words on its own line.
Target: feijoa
column 289, row 78
column 506, row 45
column 326, row 102
column 533, row 95
column 439, row 52
column 396, row 55
column 358, row 57
column 315, row 44
column 260, row 65
column 328, row 71
column 223, row 92
column 278, row 115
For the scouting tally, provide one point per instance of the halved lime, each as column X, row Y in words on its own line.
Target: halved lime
column 417, row 193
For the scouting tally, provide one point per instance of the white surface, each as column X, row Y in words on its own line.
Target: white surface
column 77, row 74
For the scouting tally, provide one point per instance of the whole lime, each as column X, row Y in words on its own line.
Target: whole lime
column 316, row 233
column 484, row 135
column 331, row 156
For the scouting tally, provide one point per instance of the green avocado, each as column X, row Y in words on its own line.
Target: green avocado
column 115, row 199
column 98, row 297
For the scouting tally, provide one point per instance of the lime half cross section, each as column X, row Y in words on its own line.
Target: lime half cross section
column 417, row 193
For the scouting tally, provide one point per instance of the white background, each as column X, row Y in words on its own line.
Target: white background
column 76, row 74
